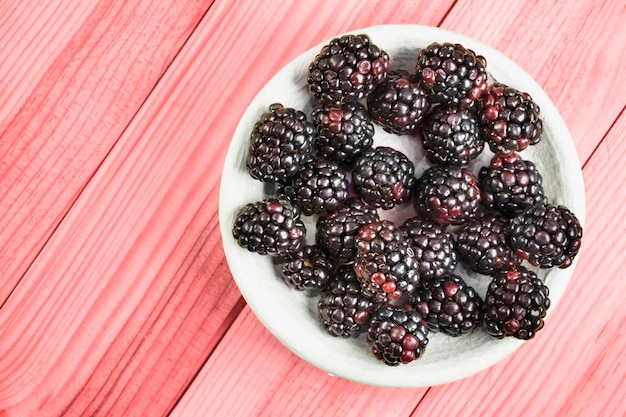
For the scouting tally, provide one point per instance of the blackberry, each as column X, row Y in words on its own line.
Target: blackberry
column 343, row 132
column 452, row 73
column 483, row 245
column 269, row 227
column 399, row 103
column 280, row 144
column 319, row 187
column 343, row 309
column 509, row 119
column 546, row 235
column 510, row 185
column 309, row 268
column 336, row 231
column 347, row 69
column 448, row 305
column 515, row 304
column 433, row 247
column 384, row 262
column 397, row 334
column 447, row 195
column 383, row 177
column 450, row 135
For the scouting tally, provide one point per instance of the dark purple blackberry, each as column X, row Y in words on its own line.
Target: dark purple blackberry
column 321, row 186
column 450, row 135
column 510, row 185
column 483, row 245
column 399, row 103
column 447, row 195
column 347, row 69
column 433, row 247
column 343, row 132
column 383, row 177
column 269, row 227
column 515, row 304
column 384, row 262
column 397, row 334
column 336, row 231
column 280, row 144
column 448, row 305
column 309, row 268
column 546, row 235
column 343, row 309
column 452, row 73
column 509, row 119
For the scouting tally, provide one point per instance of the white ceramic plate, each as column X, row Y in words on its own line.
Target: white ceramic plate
column 291, row 316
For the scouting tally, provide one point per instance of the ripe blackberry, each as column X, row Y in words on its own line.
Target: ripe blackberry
column 447, row 195
column 383, row 177
column 336, row 231
column 448, row 305
column 510, row 120
column 450, row 135
column 515, row 304
column 347, row 69
column 280, row 144
column 510, row 185
column 384, row 262
column 321, row 186
column 269, row 227
column 452, row 73
column 343, row 309
column 546, row 235
column 397, row 334
column 309, row 268
column 343, row 132
column 398, row 104
column 483, row 245
column 433, row 247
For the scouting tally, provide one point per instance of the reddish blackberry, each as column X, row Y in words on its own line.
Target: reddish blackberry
column 510, row 120
column 452, row 73
column 450, row 135
column 447, row 195
column 384, row 262
column 397, row 334
column 309, row 268
column 321, row 186
column 448, row 305
column 280, row 144
column 515, row 304
column 343, row 309
column 347, row 69
column 546, row 235
column 336, row 231
column 483, row 245
column 399, row 103
column 510, row 185
column 269, row 227
column 383, row 177
column 343, row 132
column 433, row 247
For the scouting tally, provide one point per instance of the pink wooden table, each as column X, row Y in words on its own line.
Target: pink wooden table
column 116, row 299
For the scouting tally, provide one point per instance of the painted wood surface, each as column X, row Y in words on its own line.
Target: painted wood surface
column 115, row 295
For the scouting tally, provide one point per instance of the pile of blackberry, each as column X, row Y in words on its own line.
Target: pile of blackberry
column 389, row 281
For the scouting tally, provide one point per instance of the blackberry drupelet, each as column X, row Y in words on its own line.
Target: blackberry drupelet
column 397, row 334
column 383, row 177
column 510, row 120
column 515, row 304
column 309, row 268
column 280, row 144
column 399, row 103
column 269, row 227
column 347, row 69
